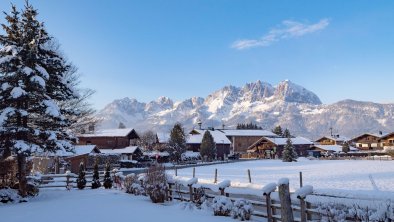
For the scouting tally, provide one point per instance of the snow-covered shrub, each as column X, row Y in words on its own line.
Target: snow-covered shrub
column 242, row 210
column 107, row 177
column 221, row 206
column 9, row 195
column 132, row 185
column 155, row 183
column 81, row 180
column 199, row 197
column 190, row 156
column 332, row 212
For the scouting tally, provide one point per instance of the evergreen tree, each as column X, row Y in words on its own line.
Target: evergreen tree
column 107, row 177
column 208, row 146
column 286, row 133
column 278, row 130
column 177, row 142
column 289, row 154
column 32, row 85
column 345, row 147
column 121, row 126
column 81, row 180
column 96, row 177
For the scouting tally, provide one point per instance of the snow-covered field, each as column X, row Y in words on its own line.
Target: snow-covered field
column 321, row 174
column 100, row 206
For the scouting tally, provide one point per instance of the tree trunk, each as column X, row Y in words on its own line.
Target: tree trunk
column 22, row 175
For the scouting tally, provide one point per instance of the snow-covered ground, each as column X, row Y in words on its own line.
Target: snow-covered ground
column 101, row 206
column 321, row 174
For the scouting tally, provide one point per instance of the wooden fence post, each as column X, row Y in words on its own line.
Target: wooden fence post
column 170, row 191
column 300, row 179
column 194, row 172
column 303, row 210
column 176, row 171
column 250, row 178
column 285, row 201
column 216, row 176
column 268, row 204
column 191, row 192
column 308, row 214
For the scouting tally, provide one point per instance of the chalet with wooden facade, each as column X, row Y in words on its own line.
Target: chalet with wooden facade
column 368, row 141
column 80, row 155
column 332, row 140
column 223, row 144
column 387, row 141
column 110, row 138
column 271, row 147
column 242, row 139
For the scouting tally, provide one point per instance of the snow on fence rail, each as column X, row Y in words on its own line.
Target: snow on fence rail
column 273, row 201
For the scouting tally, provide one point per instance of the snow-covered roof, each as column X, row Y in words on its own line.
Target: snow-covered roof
column 377, row 135
column 109, row 133
column 333, row 148
column 335, row 138
column 78, row 150
column 126, row 150
column 294, row 141
column 245, row 132
column 195, row 137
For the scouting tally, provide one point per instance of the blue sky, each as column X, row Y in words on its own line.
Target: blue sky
column 146, row 49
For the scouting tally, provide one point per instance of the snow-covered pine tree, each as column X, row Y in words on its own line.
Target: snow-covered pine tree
column 32, row 84
column 278, row 131
column 289, row 154
column 177, row 142
column 287, row 133
column 81, row 180
column 208, row 147
column 107, row 177
column 96, row 177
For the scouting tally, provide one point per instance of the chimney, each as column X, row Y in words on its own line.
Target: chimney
column 199, row 123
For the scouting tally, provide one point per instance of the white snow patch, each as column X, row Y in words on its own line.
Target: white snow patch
column 17, row 92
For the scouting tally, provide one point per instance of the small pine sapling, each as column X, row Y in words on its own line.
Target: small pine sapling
column 96, row 178
column 107, row 177
column 81, row 180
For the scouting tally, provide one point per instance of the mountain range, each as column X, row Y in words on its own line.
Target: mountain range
column 286, row 104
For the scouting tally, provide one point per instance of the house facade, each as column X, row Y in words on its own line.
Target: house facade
column 110, row 138
column 368, row 141
column 332, row 140
column 387, row 141
column 222, row 143
column 242, row 139
column 268, row 147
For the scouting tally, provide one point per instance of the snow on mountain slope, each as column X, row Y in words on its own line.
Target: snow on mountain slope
column 286, row 104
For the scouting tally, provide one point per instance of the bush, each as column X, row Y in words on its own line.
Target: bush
column 132, row 185
column 9, row 195
column 155, row 183
column 81, row 180
column 242, row 210
column 107, row 177
column 222, row 206
column 199, row 197
column 96, row 177
column 8, row 170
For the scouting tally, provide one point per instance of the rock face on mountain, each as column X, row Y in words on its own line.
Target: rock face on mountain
column 287, row 104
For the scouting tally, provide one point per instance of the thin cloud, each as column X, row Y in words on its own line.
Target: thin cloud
column 286, row 30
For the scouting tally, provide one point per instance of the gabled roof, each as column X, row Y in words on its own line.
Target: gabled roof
column 196, row 135
column 387, row 135
column 335, row 138
column 245, row 132
column 333, row 148
column 78, row 150
column 377, row 135
column 126, row 150
column 282, row 141
column 110, row 133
